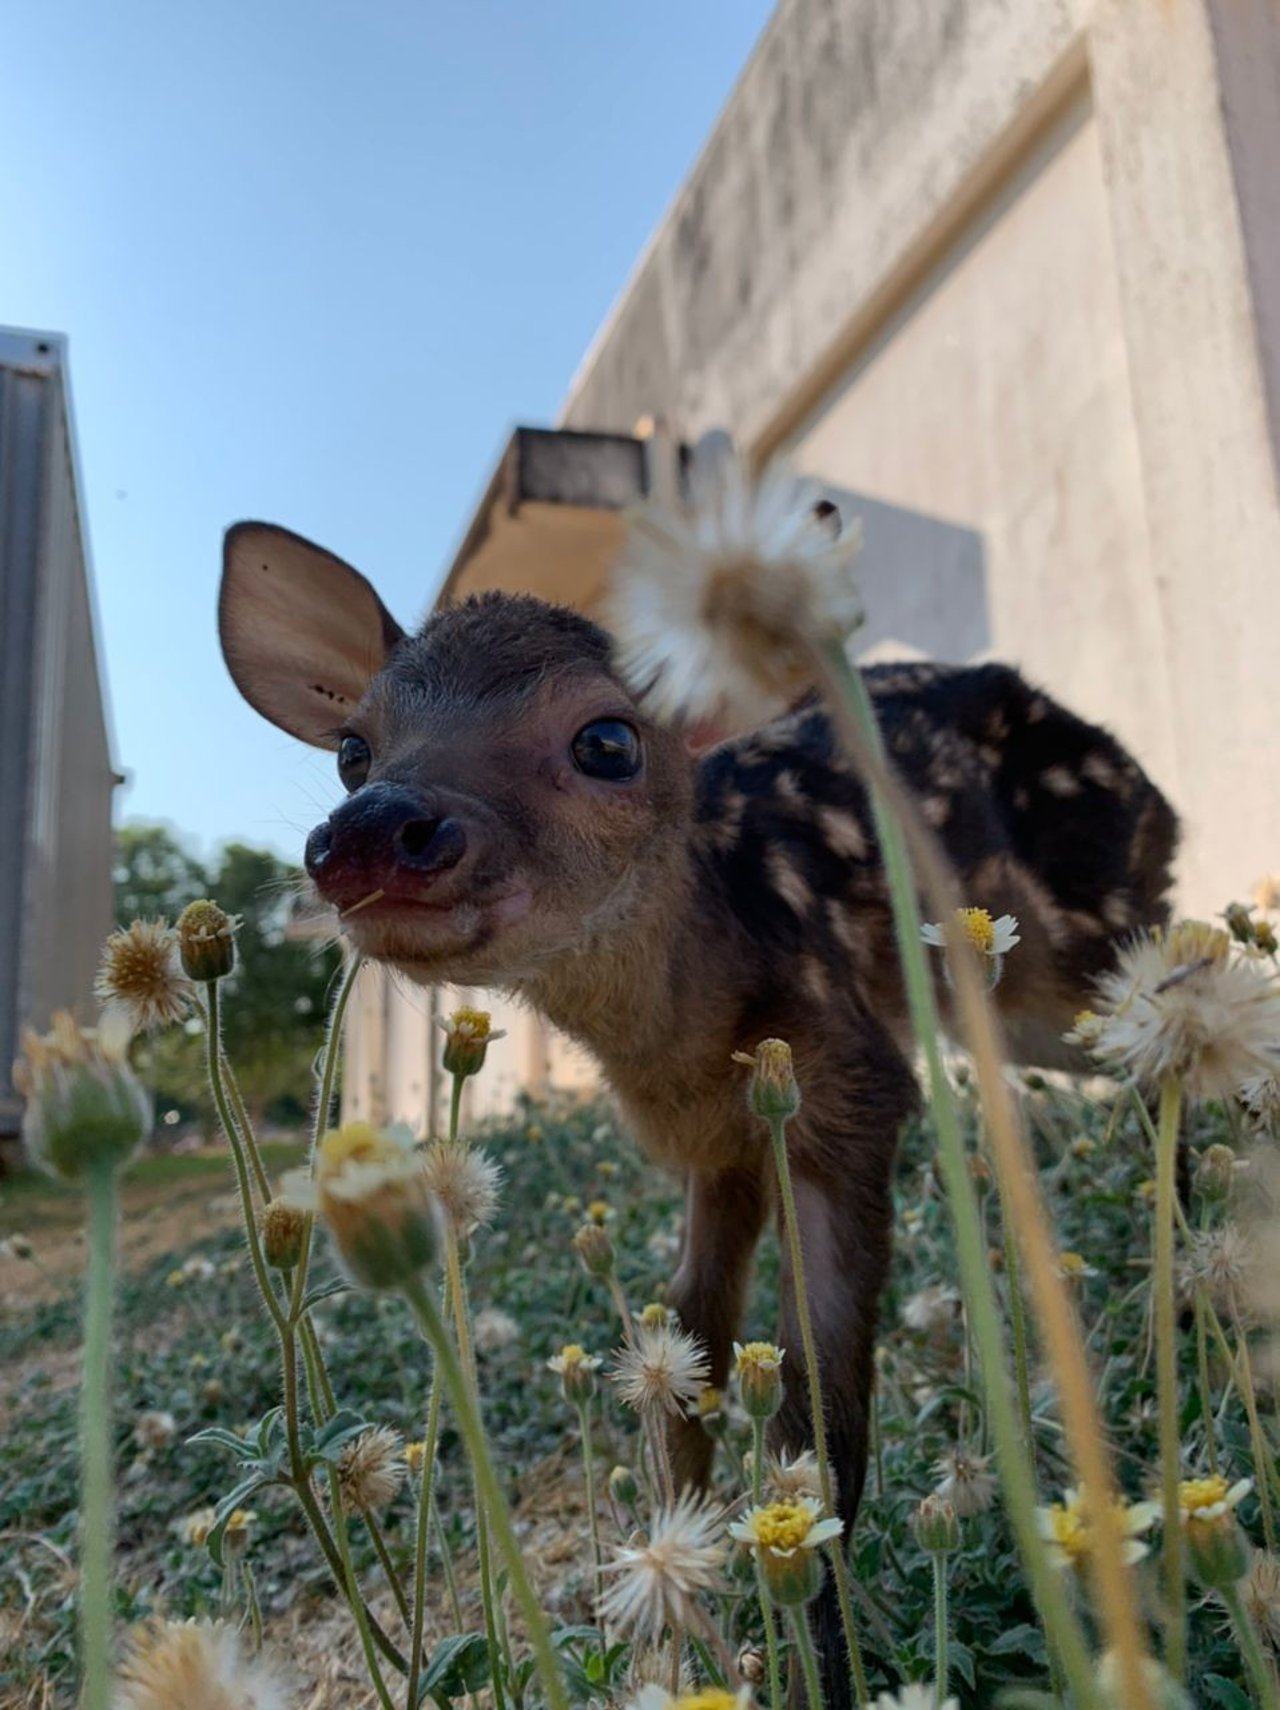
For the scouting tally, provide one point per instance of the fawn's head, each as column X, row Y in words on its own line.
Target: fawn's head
column 507, row 799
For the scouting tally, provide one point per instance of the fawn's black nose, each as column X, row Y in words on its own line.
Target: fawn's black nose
column 381, row 832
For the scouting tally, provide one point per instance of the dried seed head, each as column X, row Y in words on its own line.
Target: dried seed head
column 140, row 979
column 207, row 940
column 659, row 1579
column 1180, row 1007
column 661, row 1371
column 1260, row 1593
column 465, row 1181
column 370, row 1469
column 196, row 1664
column 155, row 1430
column 965, row 1481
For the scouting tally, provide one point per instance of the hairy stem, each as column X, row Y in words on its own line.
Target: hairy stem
column 1175, row 1594
column 941, row 1630
column 766, row 1597
column 1260, row 1676
column 95, row 1440
column 808, row 1661
column 782, row 1169
column 487, row 1482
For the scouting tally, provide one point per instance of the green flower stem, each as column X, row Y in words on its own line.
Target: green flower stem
column 487, row 1482
column 808, row 1661
column 766, row 1597
column 1018, row 1325
column 462, row 1329
column 941, row 1629
column 624, row 1311
column 323, row 1401
column 213, row 1059
column 387, row 1565
column 354, row 1598
column 1263, row 1459
column 246, row 1127
column 851, row 709
column 589, row 1473
column 1260, row 1676
column 840, row 1565
column 320, row 1121
column 95, row 1441
column 1206, row 1389
column 455, row 1105
column 446, row 1564
column 425, row 1495
column 1166, row 1330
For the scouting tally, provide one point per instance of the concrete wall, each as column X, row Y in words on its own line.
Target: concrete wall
column 56, row 776
column 1015, row 262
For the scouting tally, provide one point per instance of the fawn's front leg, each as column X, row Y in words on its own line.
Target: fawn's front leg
column 724, row 1213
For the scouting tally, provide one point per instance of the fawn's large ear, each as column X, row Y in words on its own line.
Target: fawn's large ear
column 303, row 634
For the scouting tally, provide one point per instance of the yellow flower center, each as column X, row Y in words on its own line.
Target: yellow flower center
column 1195, row 1494
column 1069, row 1530
column 782, row 1525
column 710, row 1698
column 598, row 1210
column 758, row 1356
column 978, row 927
column 471, row 1023
column 573, row 1354
column 708, row 1401
column 1071, row 1264
column 654, row 1316
column 353, row 1143
column 415, row 1454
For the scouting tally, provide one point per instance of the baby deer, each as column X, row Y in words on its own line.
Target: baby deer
column 513, row 819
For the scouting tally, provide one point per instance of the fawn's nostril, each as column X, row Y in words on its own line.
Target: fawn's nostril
column 430, row 845
column 319, row 846
column 415, row 838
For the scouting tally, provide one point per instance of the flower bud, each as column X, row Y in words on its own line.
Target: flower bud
column 751, row 1664
column 936, row 1527
column 577, row 1372
column 624, row 1487
column 710, row 1406
column 1215, row 1172
column 1264, row 936
column 206, row 941
column 85, row 1108
column 759, row 1369
column 283, row 1227
column 772, row 1091
column 1217, row 1551
column 595, row 1249
column 468, row 1034
column 1238, row 922
column 370, row 1189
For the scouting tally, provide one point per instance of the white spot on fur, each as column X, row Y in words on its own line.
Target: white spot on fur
column 1059, row 782
column 790, row 885
column 843, row 834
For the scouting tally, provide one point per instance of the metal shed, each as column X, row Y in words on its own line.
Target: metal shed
column 56, row 771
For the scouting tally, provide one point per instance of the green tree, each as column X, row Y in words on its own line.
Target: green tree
column 274, row 1003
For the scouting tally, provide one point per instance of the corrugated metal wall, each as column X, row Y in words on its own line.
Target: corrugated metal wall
column 56, row 773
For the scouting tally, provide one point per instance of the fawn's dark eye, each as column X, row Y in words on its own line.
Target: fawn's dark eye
column 354, row 760
column 607, row 749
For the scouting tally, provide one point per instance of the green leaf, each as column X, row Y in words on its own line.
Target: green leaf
column 324, row 1291
column 328, row 1442
column 243, row 1448
column 1226, row 1692
column 1025, row 1639
column 458, row 1664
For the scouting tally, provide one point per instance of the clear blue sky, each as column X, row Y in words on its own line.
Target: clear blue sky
column 314, row 258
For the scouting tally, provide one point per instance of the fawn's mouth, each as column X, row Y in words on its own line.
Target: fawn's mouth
column 394, row 928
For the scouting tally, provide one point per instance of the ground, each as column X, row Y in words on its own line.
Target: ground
column 193, row 1343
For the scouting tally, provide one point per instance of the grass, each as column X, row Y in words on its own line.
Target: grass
column 202, row 1351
